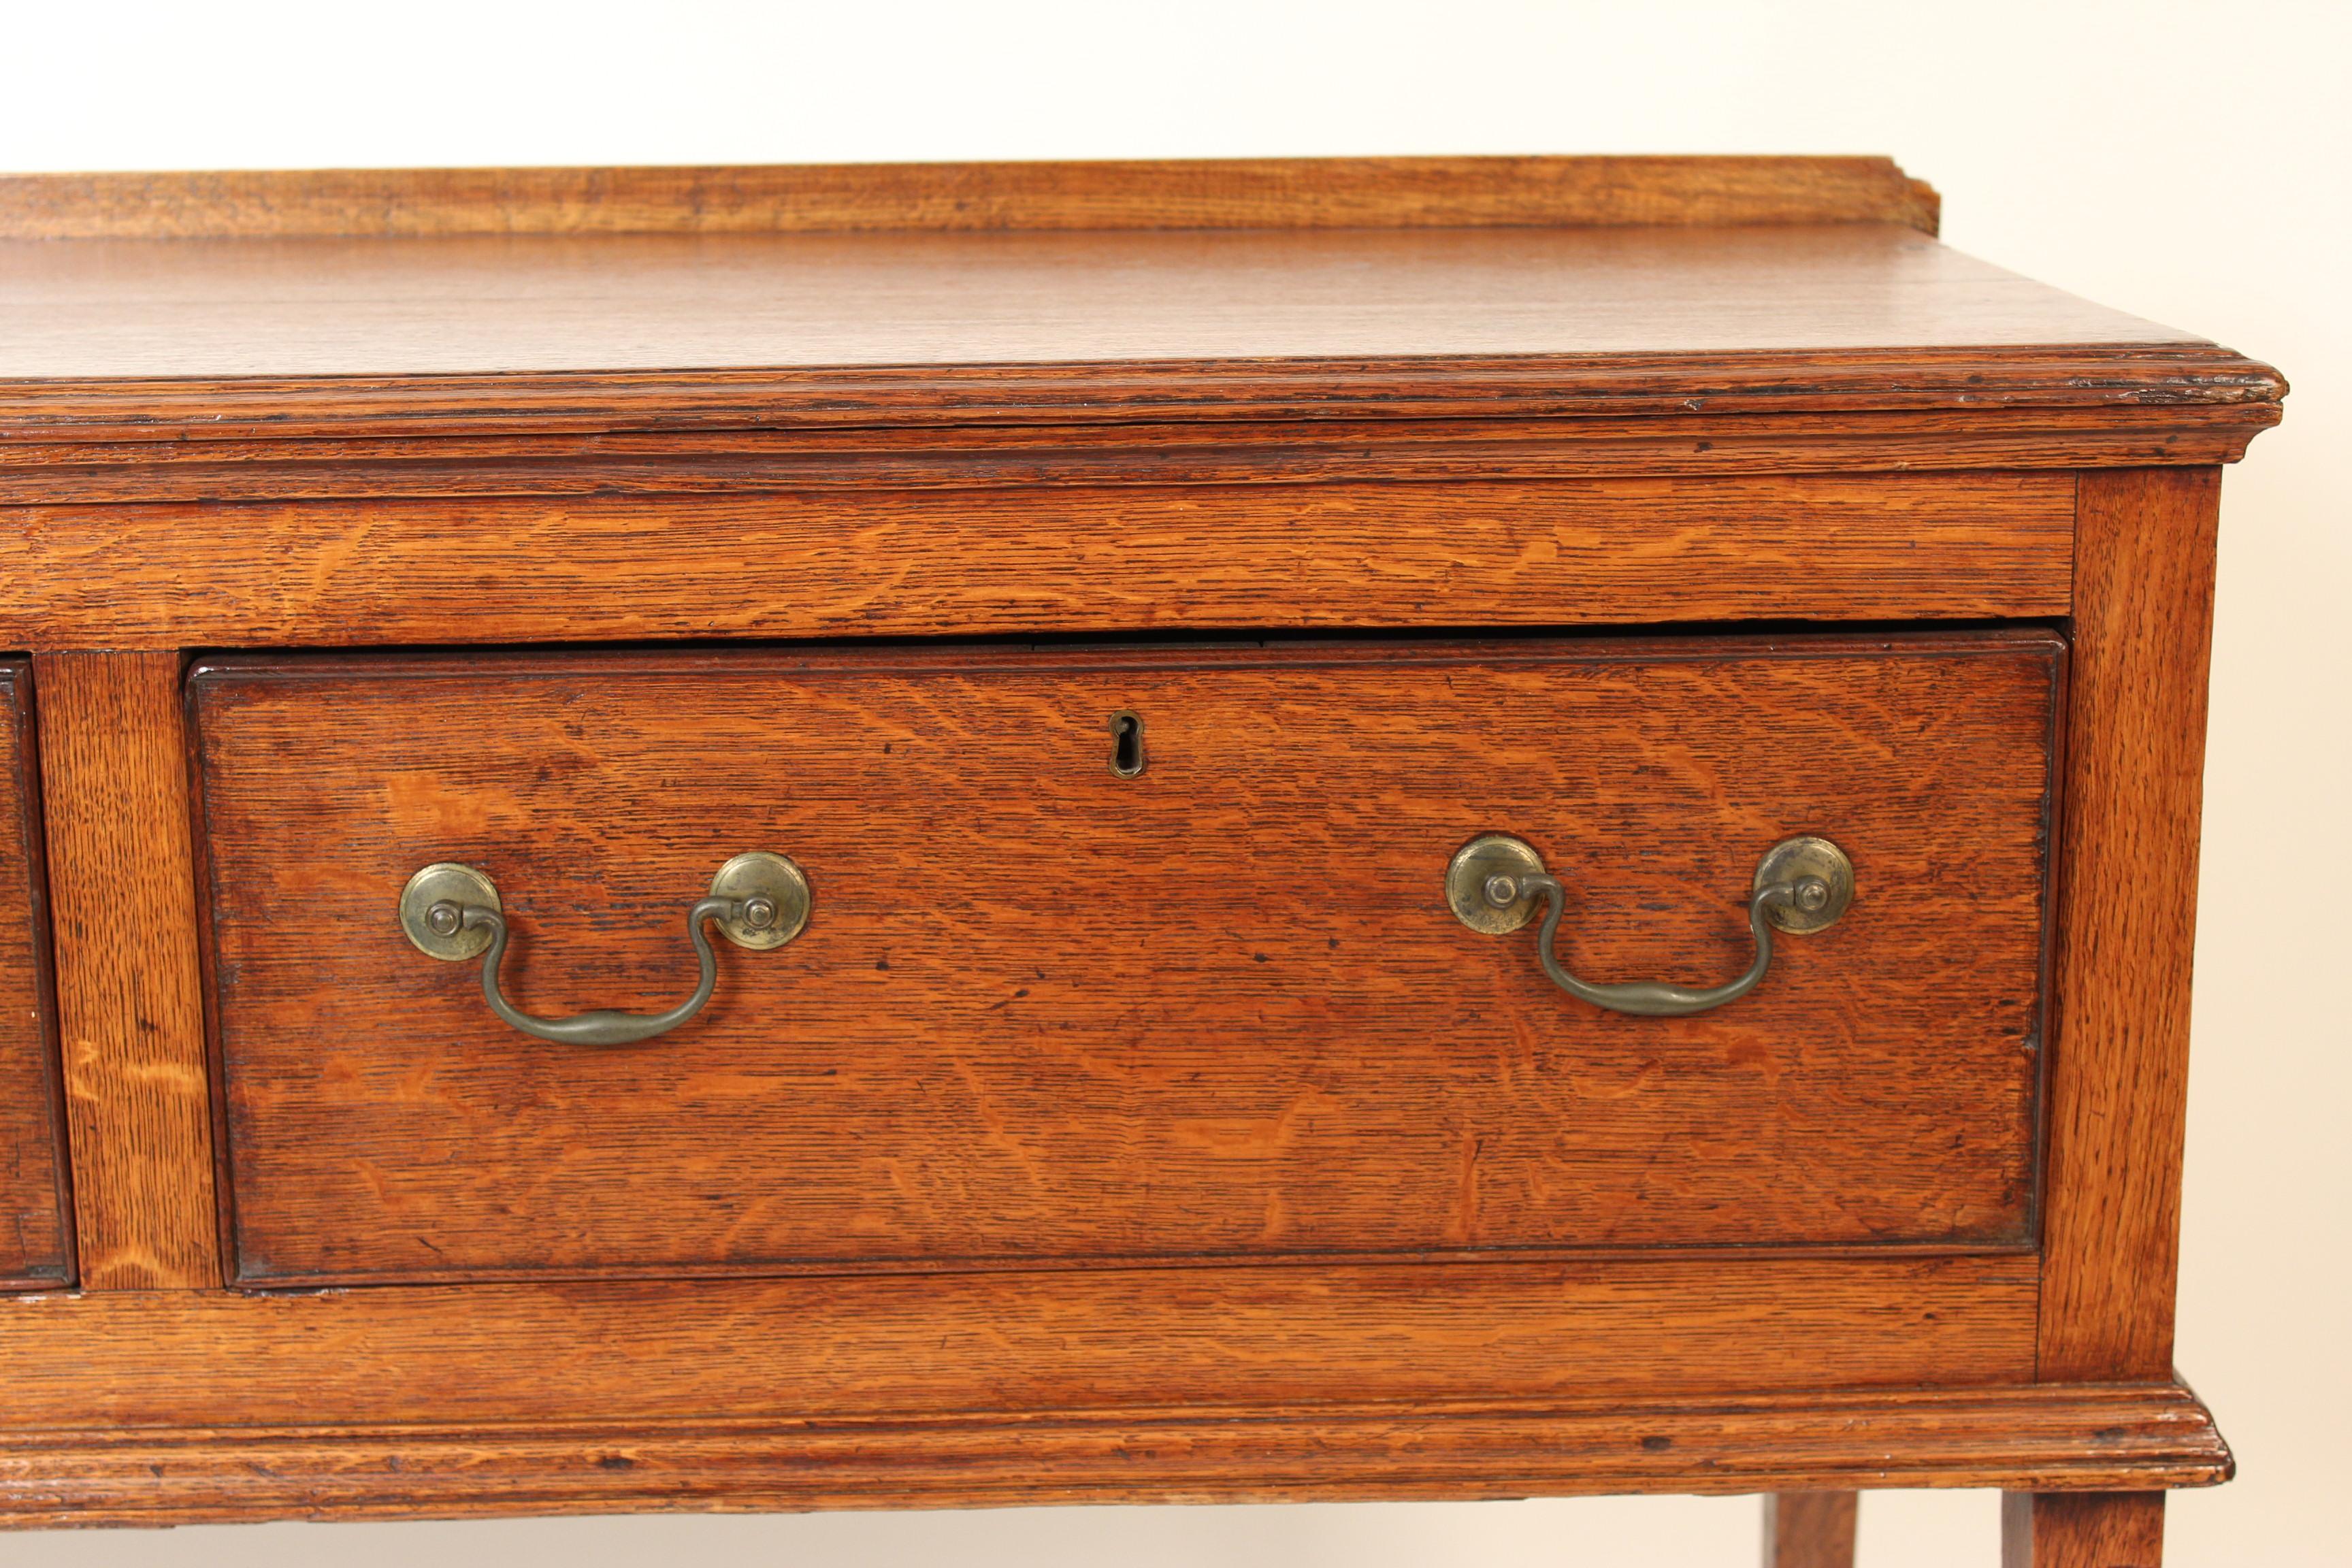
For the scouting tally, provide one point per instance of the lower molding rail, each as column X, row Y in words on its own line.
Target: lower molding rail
column 2054, row 1437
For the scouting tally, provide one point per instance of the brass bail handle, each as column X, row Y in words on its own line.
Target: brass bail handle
column 1495, row 881
column 758, row 900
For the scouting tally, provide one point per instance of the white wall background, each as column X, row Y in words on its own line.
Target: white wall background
column 2190, row 162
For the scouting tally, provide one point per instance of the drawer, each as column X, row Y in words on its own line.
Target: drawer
column 1123, row 955
column 36, row 1218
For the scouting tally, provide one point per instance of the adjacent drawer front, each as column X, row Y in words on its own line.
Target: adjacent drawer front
column 1041, row 1011
column 36, row 1235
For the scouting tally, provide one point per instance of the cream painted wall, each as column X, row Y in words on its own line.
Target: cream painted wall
column 2188, row 162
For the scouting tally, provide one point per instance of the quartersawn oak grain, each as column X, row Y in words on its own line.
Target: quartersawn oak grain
column 2128, row 921
column 2144, row 549
column 129, row 1002
column 864, row 561
column 1044, row 1013
column 688, row 424
column 1199, row 194
column 36, row 1213
column 2047, row 1437
column 1623, row 1327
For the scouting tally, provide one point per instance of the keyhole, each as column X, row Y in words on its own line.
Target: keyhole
column 1126, row 744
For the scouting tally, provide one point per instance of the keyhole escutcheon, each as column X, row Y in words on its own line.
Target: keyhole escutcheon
column 1126, row 743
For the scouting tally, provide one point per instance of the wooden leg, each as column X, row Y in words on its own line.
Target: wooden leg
column 1810, row 1529
column 2082, row 1530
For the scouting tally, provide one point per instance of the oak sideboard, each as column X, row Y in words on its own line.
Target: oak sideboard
column 744, row 839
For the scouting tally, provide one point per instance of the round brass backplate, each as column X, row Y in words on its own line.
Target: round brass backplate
column 1479, row 862
column 1799, row 861
column 455, row 886
column 757, row 876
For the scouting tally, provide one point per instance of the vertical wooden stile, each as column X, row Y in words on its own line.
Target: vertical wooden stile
column 130, row 1013
column 2128, row 921
column 2118, row 1070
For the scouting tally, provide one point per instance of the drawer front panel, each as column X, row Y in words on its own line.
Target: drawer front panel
column 36, row 1233
column 1045, row 1014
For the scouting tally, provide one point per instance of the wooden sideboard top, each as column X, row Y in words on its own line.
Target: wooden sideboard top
column 211, row 310
column 541, row 304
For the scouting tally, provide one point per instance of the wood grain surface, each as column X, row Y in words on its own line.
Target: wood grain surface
column 1810, row 1529
column 2083, row 1530
column 130, row 1005
column 1043, row 1013
column 1621, row 1326
column 864, row 561
column 36, row 1213
column 1240, row 193
column 583, row 457
column 2048, row 1436
column 136, row 342
column 1101, row 1139
column 85, row 310
column 657, row 435
column 2135, row 778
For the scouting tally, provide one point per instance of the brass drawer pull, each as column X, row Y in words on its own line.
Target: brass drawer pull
column 760, row 902
column 1801, row 885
